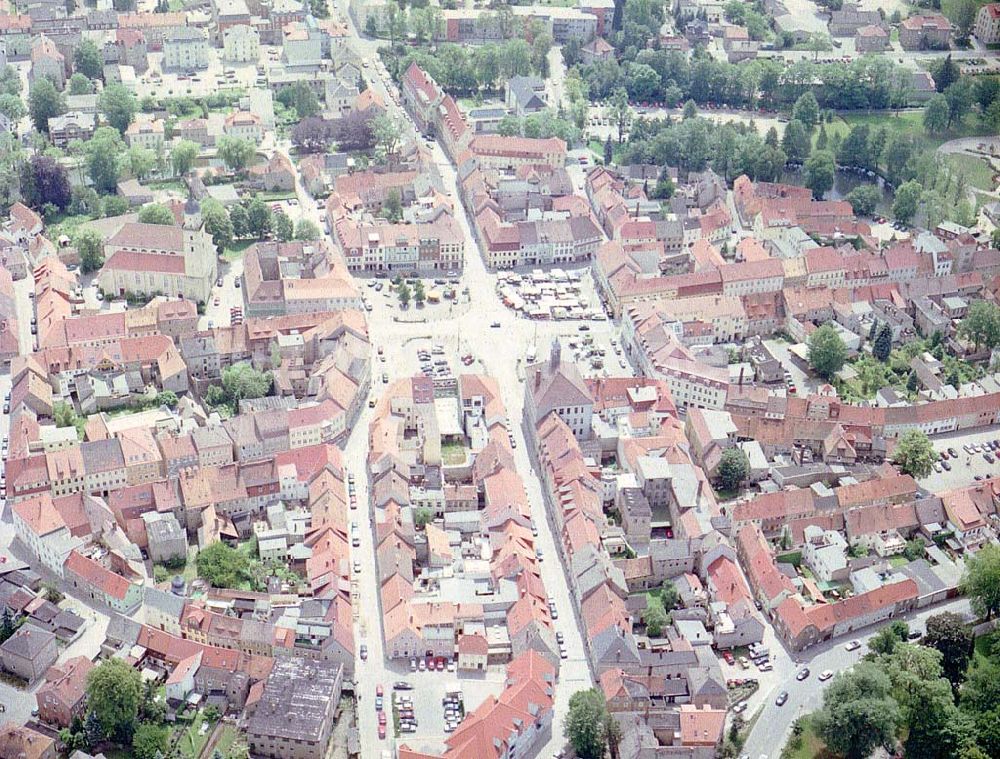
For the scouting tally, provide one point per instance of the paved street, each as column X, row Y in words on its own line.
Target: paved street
column 500, row 353
column 773, row 723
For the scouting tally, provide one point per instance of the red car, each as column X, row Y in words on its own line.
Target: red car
column 728, row 657
column 381, row 732
column 378, row 689
column 381, row 718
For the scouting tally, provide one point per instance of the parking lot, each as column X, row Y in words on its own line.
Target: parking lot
column 424, row 702
column 597, row 352
column 968, row 465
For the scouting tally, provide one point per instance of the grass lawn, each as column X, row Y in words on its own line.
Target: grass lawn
column 235, row 251
column 950, row 7
column 193, row 740
column 226, row 740
column 653, row 599
column 453, row 454
column 190, row 572
column 907, row 122
column 809, row 745
column 977, row 171
column 64, row 224
column 166, row 184
column 597, row 148
column 276, row 195
column 898, row 561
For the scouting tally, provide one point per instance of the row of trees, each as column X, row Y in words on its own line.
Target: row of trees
column 868, row 83
column 466, row 70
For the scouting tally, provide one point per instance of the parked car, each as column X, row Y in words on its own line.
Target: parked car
column 802, row 674
column 854, row 645
column 825, row 675
column 781, row 699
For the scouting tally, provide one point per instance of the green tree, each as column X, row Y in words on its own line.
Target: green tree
column 888, row 638
column 387, row 131
column 90, row 248
column 981, row 582
column 80, row 85
column 217, row 223
column 806, row 110
column 10, row 80
column 156, row 213
column 403, row 291
column 166, row 398
column 856, row 150
column 240, row 221
column 945, row 73
column 981, row 324
column 584, row 726
column 300, row 98
column 118, row 106
column 307, row 230
column 114, row 689
column 44, row 102
column 734, row 468
column 87, row 59
column 183, row 156
column 820, row 171
column 113, row 205
column 140, row 161
column 827, row 351
column 960, row 96
column 864, row 199
column 936, row 115
column 222, row 566
column 12, row 107
column 259, row 218
column 418, row 293
column 283, row 228
column 948, row 633
column 422, row 517
column 796, row 141
column 882, row 346
column 914, row 549
column 393, row 208
column 655, row 619
column 935, row 728
column 915, row 455
column 907, row 201
column 858, row 712
column 242, row 382
column 103, row 153
column 963, row 16
column 981, row 690
column 620, row 112
column 149, row 741
column 236, row 152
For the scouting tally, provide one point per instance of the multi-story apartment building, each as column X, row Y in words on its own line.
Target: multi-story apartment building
column 185, row 49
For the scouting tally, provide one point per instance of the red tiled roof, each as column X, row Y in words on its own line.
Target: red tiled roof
column 101, row 578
